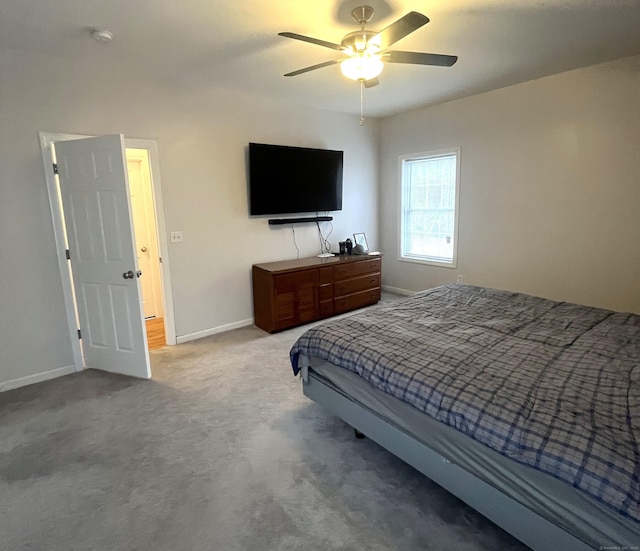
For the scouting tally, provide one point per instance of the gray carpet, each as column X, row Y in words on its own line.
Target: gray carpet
column 220, row 451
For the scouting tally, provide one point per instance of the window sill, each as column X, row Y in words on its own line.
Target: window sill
column 435, row 263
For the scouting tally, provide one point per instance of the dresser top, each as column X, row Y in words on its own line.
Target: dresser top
column 313, row 261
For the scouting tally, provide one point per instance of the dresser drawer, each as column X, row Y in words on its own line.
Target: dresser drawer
column 325, row 292
column 354, row 269
column 326, row 275
column 356, row 300
column 363, row 283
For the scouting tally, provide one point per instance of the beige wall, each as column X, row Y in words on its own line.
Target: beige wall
column 201, row 141
column 549, row 190
column 550, row 187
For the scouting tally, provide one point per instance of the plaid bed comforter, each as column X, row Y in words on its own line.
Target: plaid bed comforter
column 549, row 384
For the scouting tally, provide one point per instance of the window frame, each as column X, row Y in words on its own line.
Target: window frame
column 402, row 160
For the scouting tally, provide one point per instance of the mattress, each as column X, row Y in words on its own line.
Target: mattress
column 551, row 385
column 573, row 511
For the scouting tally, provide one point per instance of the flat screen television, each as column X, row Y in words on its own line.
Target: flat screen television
column 288, row 180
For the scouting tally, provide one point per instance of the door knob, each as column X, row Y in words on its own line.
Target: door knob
column 128, row 275
column 144, row 249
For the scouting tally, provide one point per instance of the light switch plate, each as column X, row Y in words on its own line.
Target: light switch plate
column 177, row 237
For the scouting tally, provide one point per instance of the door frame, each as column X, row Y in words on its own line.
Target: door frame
column 163, row 245
column 46, row 139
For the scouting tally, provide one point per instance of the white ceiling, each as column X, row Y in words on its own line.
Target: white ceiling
column 202, row 45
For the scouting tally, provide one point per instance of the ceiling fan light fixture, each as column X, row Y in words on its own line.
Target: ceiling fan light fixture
column 362, row 66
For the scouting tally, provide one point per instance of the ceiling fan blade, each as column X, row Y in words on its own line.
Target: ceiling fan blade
column 371, row 82
column 419, row 58
column 398, row 30
column 312, row 40
column 313, row 68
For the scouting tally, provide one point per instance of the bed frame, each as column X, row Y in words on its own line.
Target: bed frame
column 521, row 522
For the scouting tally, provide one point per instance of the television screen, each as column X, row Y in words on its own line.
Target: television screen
column 289, row 180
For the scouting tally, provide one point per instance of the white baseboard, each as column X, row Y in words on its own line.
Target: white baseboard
column 398, row 291
column 213, row 331
column 37, row 378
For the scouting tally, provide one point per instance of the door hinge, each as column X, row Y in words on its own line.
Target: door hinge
column 55, row 168
column 79, row 334
column 67, row 253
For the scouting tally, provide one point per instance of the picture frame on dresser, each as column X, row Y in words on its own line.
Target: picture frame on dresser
column 361, row 239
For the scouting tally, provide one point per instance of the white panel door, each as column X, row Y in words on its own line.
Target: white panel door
column 95, row 199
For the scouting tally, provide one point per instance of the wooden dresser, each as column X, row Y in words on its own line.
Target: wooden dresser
column 293, row 292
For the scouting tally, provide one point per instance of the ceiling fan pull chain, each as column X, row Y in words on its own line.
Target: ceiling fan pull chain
column 361, row 102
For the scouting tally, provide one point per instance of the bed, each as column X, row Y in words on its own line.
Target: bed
column 527, row 409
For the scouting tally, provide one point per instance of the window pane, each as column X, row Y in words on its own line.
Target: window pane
column 429, row 207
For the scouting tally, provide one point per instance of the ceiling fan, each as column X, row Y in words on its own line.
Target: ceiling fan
column 365, row 51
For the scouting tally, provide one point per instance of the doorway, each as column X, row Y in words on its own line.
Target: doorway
column 144, row 165
column 146, row 244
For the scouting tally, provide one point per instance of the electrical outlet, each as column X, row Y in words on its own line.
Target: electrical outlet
column 177, row 237
column 460, row 278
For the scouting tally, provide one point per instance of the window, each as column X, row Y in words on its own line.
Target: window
column 429, row 207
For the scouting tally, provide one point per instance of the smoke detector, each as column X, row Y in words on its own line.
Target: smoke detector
column 101, row 35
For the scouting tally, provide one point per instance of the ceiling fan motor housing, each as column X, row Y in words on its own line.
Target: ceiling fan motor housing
column 359, row 41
